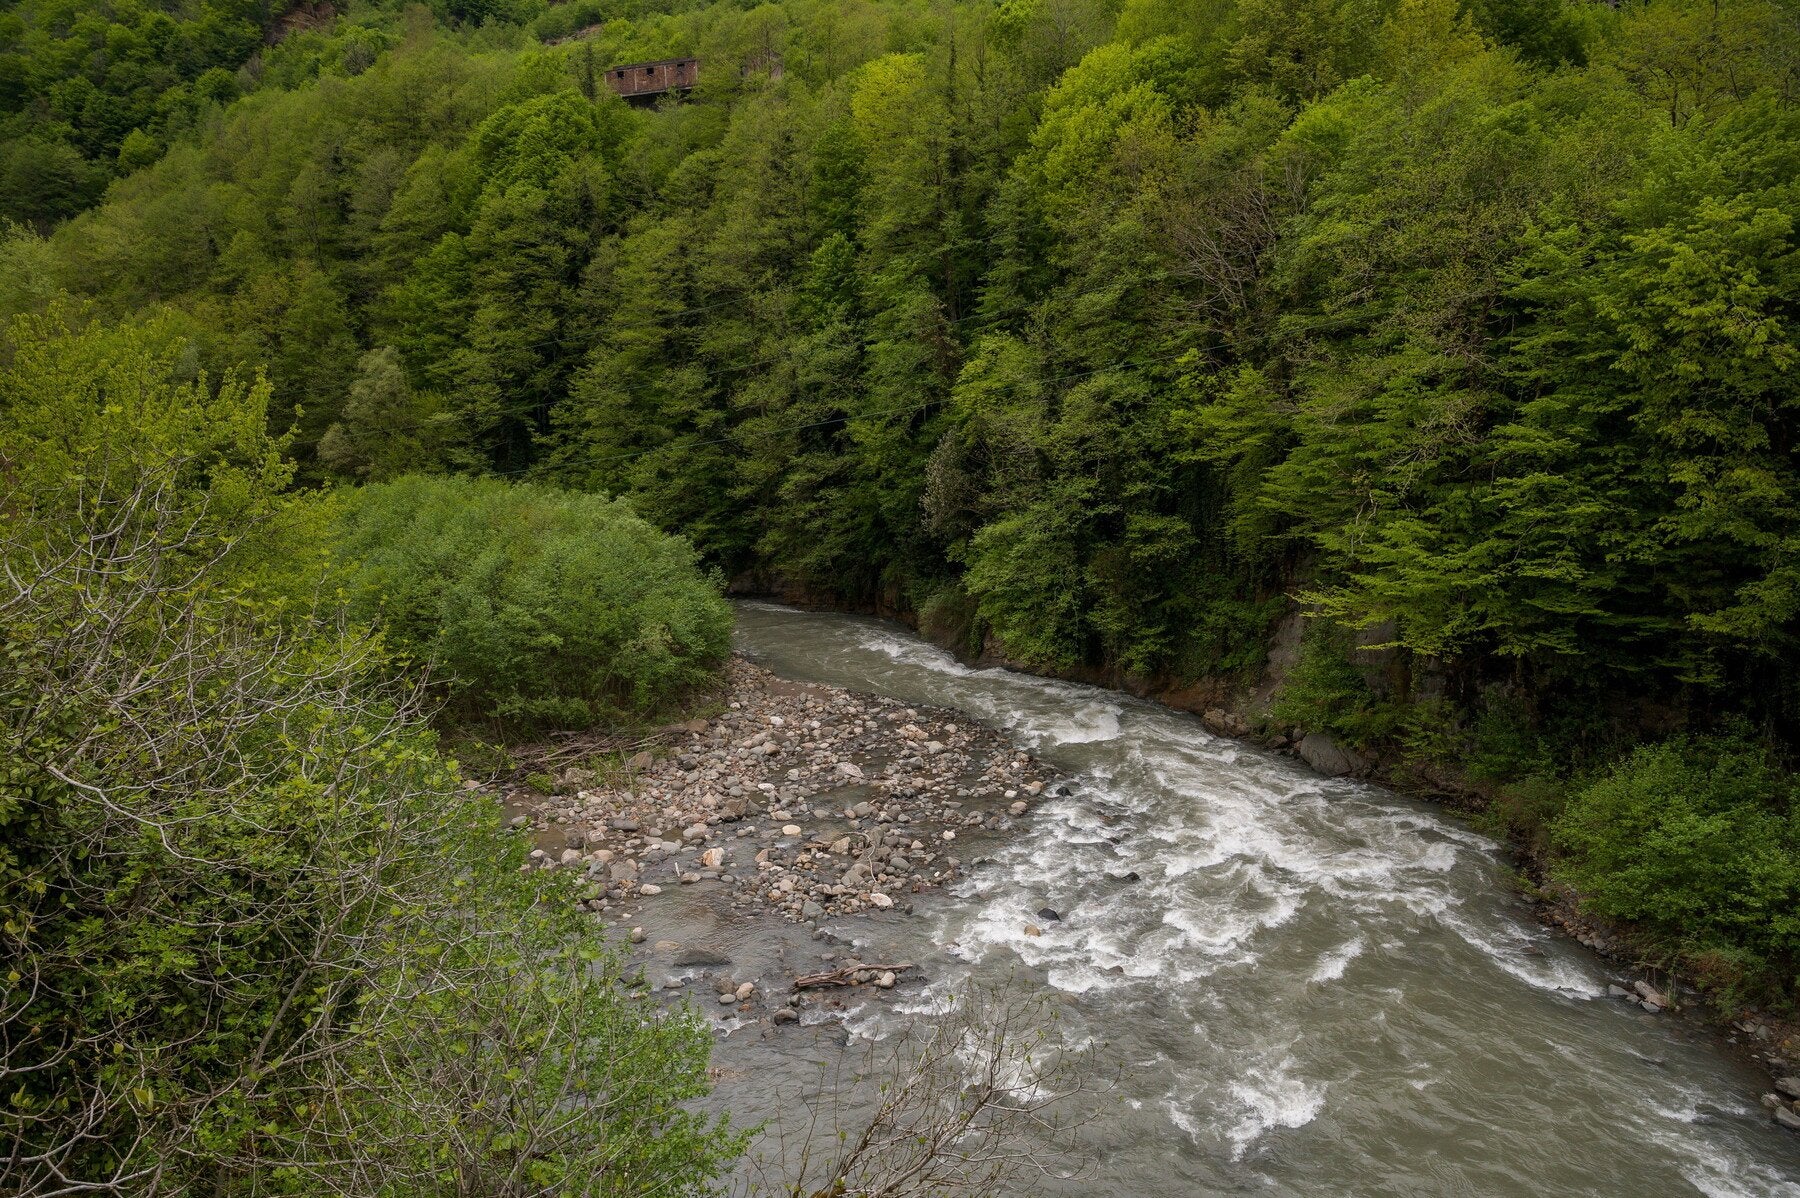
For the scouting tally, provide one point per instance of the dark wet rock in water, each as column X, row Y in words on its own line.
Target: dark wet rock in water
column 1048, row 915
column 1789, row 1086
column 785, row 1015
column 1787, row 1118
column 701, row 957
column 1125, row 877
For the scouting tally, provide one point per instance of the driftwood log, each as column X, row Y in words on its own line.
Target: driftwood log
column 847, row 975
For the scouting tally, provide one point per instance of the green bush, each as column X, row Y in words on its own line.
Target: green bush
column 1696, row 840
column 254, row 937
column 534, row 606
column 1326, row 691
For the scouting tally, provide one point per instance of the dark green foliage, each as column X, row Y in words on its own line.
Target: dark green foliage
column 1697, row 840
column 533, row 606
column 84, row 86
column 1329, row 691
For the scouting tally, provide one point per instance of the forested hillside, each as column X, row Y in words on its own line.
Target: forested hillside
column 1097, row 333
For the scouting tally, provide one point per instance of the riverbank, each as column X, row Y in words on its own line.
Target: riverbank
column 1298, row 983
column 1240, row 712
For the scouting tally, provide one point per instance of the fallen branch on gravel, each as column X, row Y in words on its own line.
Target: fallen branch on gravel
column 847, row 976
column 579, row 746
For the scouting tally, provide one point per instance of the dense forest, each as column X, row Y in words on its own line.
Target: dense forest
column 1102, row 335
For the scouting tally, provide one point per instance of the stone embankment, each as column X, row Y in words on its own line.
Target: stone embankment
column 808, row 801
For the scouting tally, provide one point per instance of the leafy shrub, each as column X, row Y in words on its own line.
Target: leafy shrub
column 534, row 605
column 1696, row 839
column 1504, row 744
column 253, row 937
column 951, row 617
column 1326, row 691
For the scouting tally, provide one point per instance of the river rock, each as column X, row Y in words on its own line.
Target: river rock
column 906, row 781
column 1787, row 1118
column 1048, row 915
column 785, row 1015
column 1323, row 754
column 701, row 958
column 637, row 936
column 1789, row 1086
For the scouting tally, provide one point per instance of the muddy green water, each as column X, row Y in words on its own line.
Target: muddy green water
column 1316, row 988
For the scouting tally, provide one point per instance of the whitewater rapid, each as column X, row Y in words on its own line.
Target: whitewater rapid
column 1302, row 986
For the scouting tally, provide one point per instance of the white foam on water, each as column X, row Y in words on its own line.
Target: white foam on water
column 1332, row 965
column 1717, row 1173
column 1225, row 924
column 1543, row 972
column 1272, row 1096
column 1095, row 722
column 914, row 652
column 1231, row 844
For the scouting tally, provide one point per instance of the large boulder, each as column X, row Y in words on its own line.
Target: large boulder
column 1323, row 754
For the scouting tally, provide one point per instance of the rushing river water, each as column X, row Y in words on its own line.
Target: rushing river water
column 1316, row 987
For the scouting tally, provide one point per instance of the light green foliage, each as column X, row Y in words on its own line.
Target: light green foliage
column 1697, row 840
column 254, row 937
column 533, row 606
column 1108, row 331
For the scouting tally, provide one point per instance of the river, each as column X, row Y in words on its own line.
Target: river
column 1316, row 987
